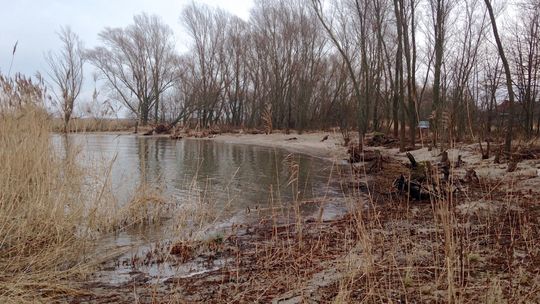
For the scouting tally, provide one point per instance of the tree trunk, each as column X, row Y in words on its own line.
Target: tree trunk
column 398, row 97
column 439, row 53
column 510, row 120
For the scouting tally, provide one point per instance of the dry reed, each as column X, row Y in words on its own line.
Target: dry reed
column 49, row 216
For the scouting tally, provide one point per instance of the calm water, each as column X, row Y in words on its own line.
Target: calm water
column 234, row 178
column 241, row 175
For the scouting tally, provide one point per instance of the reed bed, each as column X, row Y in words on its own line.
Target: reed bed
column 40, row 211
column 94, row 125
column 51, row 209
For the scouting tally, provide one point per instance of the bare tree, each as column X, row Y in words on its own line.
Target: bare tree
column 507, row 72
column 491, row 82
column 440, row 10
column 207, row 28
column 463, row 60
column 138, row 63
column 360, row 84
column 66, row 72
column 525, row 55
column 398, row 81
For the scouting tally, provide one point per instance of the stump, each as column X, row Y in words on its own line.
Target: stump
column 377, row 164
column 355, row 154
column 471, row 177
column 459, row 162
column 444, row 165
column 512, row 165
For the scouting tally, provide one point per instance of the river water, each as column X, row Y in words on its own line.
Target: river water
column 235, row 179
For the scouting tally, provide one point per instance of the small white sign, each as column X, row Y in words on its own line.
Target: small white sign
column 423, row 124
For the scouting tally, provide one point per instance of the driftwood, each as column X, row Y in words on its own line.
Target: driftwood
column 355, row 153
column 419, row 171
column 380, row 139
column 160, row 129
column 485, row 154
column 497, row 159
column 525, row 153
column 413, row 161
column 512, row 165
column 256, row 131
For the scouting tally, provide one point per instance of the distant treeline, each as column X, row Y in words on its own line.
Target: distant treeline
column 367, row 65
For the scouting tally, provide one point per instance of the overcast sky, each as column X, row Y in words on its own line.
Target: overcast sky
column 34, row 23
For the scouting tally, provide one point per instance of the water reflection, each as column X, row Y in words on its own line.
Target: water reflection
column 241, row 174
column 234, row 178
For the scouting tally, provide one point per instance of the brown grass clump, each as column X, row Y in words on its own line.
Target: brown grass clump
column 146, row 207
column 267, row 120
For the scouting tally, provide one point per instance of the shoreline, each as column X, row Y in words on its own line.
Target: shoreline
column 308, row 143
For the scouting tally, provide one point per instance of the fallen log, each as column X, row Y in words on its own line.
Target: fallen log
column 411, row 188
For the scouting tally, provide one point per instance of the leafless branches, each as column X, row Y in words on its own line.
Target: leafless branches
column 139, row 64
column 66, row 72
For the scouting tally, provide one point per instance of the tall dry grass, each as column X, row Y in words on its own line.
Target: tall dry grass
column 95, row 125
column 49, row 215
column 40, row 210
column 467, row 246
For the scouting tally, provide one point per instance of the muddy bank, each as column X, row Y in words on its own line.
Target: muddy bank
column 255, row 263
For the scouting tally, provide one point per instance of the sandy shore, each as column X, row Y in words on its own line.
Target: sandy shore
column 307, row 143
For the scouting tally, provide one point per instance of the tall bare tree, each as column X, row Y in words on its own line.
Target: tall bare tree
column 440, row 10
column 207, row 28
column 359, row 82
column 138, row 63
column 508, row 73
column 66, row 72
column 525, row 56
column 463, row 61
